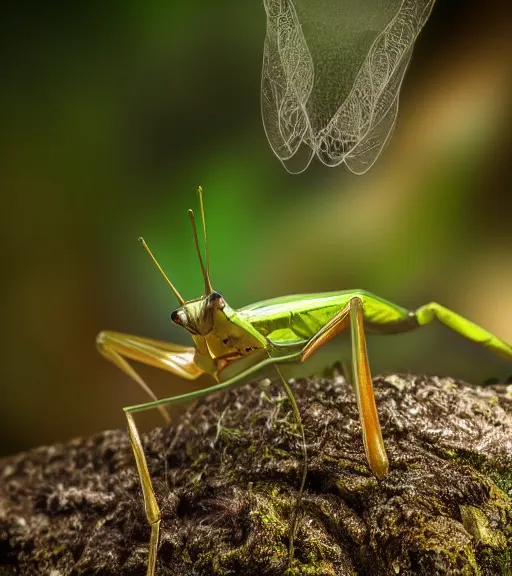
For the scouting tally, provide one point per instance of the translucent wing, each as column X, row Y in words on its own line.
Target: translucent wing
column 286, row 82
column 332, row 72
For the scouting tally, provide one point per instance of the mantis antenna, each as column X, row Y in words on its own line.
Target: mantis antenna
column 207, row 284
column 171, row 286
column 206, row 249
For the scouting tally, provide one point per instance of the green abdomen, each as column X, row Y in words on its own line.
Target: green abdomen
column 294, row 319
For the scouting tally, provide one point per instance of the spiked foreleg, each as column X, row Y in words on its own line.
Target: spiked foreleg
column 174, row 358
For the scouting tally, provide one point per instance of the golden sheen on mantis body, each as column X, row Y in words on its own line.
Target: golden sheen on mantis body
column 281, row 330
column 331, row 77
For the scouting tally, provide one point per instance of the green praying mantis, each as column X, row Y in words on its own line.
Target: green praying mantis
column 272, row 332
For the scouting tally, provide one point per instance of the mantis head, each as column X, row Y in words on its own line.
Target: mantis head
column 198, row 316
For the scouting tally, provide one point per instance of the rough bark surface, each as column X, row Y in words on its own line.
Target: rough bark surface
column 227, row 477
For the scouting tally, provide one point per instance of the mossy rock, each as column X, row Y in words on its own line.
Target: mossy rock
column 227, row 478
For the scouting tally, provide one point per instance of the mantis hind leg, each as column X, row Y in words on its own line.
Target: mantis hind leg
column 352, row 315
column 464, row 327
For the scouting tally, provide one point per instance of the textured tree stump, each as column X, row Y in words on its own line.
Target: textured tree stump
column 227, row 475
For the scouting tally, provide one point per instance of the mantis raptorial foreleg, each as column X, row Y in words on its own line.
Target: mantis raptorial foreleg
column 174, row 358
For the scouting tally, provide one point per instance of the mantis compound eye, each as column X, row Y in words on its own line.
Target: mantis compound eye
column 215, row 300
column 177, row 317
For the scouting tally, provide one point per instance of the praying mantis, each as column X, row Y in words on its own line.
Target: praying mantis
column 281, row 330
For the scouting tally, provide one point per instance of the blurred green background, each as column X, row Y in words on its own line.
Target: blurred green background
column 113, row 113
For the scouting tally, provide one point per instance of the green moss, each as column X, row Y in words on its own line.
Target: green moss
column 273, row 453
column 495, row 562
column 467, row 457
column 346, row 464
column 199, row 460
column 322, row 569
column 503, row 481
column 502, row 478
column 230, row 432
column 186, row 556
column 476, row 523
column 269, row 511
